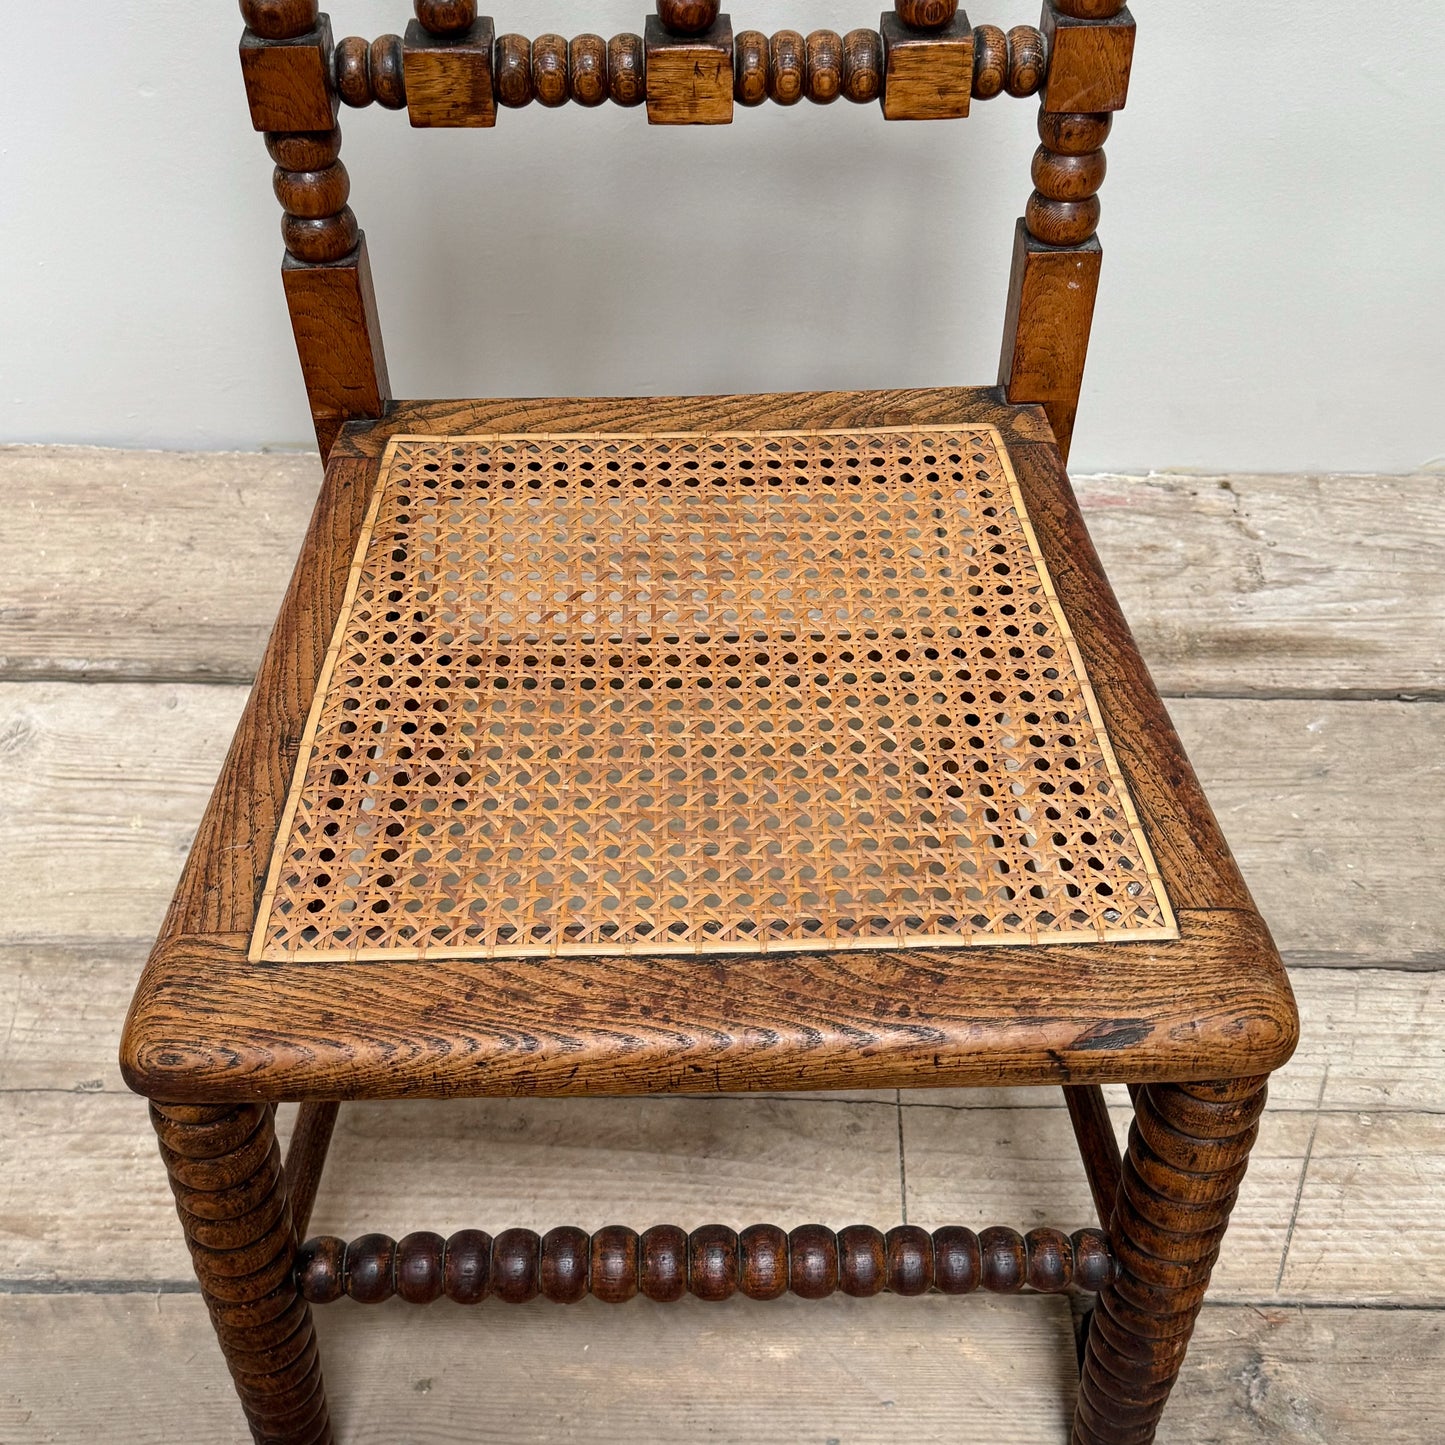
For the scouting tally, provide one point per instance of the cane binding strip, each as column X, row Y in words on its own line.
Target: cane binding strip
column 605, row 693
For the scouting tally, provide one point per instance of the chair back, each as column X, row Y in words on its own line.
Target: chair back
column 688, row 67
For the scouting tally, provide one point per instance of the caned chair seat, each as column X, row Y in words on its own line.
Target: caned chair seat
column 779, row 742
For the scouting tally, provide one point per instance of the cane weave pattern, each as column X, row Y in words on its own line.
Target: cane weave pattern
column 718, row 693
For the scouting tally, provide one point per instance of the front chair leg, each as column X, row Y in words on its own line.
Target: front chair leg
column 1188, row 1150
column 225, row 1171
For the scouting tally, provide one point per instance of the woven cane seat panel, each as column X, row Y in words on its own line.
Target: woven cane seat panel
column 729, row 692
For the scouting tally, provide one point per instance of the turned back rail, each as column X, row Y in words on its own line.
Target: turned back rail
column 689, row 66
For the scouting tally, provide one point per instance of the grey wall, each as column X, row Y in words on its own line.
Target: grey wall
column 1273, row 228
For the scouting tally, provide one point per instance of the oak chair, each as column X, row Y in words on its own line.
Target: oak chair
column 694, row 744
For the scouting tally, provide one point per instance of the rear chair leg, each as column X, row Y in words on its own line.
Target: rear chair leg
column 1188, row 1150
column 225, row 1171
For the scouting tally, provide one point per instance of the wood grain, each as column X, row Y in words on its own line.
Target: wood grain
column 1270, row 1376
column 111, row 818
column 159, row 566
column 125, row 1369
column 97, row 1208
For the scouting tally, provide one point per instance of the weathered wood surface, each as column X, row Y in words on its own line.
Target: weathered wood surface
column 106, row 785
column 154, row 565
column 125, row 1369
column 1237, row 587
column 1337, row 1205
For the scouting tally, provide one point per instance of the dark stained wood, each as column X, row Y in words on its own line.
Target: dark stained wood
column 1028, row 60
column 514, row 71
column 467, row 1266
column 910, row 1260
column 246, row 1278
column 751, row 67
column 812, row 1261
column 957, row 1262
column 338, row 336
column 626, row 70
column 689, row 77
column 862, row 66
column 1055, row 275
column 1089, row 1114
column 787, row 67
column 927, row 74
column 712, row 1263
column 1188, row 1148
column 990, row 61
column 280, row 19
column 549, row 70
column 616, row 1259
column 687, row 17
column 663, row 1275
column 446, row 17
column 1089, row 60
column 1003, row 1260
column 1049, row 1267
column 763, row 1262
column 862, row 1261
column 926, row 14
column 327, row 279
column 448, row 80
column 824, row 49
column 566, row 1259
column 306, row 1157
column 587, row 70
column 288, row 81
column 516, row 1266
column 386, row 69
column 352, row 68
column 420, row 1276
column 370, row 1262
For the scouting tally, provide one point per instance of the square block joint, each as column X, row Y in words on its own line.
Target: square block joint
column 927, row 74
column 1089, row 62
column 689, row 77
column 288, row 82
column 449, row 81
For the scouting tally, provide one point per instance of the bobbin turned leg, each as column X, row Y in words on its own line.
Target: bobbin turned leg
column 225, row 1171
column 1188, row 1150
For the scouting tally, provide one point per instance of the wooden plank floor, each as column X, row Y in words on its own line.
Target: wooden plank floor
column 1297, row 624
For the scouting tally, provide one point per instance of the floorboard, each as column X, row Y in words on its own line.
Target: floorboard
column 1259, row 586
column 106, row 785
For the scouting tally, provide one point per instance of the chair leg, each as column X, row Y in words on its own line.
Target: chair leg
column 1188, row 1150
column 225, row 1171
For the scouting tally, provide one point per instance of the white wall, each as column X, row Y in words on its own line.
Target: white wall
column 1273, row 229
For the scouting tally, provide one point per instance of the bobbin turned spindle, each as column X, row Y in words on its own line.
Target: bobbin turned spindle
column 626, row 70
column 446, row 18
column 712, row 1263
column 926, row 14
column 1068, row 169
column 687, row 17
column 513, row 71
column 280, row 19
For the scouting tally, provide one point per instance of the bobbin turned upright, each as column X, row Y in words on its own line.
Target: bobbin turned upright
column 923, row 823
